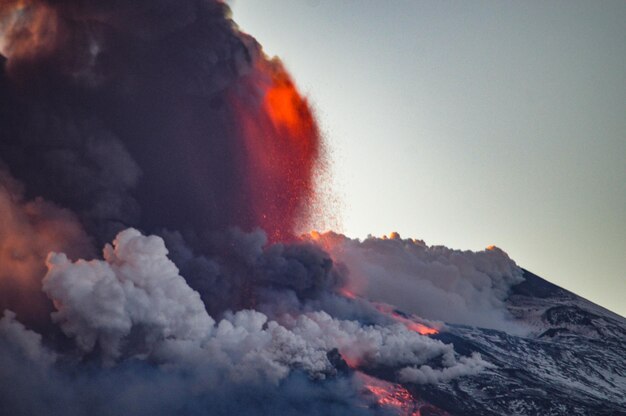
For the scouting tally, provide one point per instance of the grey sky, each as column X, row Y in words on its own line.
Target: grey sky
column 472, row 123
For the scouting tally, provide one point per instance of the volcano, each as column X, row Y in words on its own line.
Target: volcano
column 158, row 174
column 570, row 363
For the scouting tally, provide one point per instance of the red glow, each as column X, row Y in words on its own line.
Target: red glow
column 28, row 232
column 411, row 324
column 352, row 362
column 281, row 148
column 27, row 28
column 414, row 326
column 347, row 293
column 395, row 397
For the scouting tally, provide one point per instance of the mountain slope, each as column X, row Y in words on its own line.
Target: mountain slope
column 572, row 361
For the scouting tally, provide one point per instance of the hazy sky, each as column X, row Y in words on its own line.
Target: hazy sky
column 472, row 123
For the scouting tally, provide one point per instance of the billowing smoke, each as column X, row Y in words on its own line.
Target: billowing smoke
column 434, row 282
column 161, row 132
column 131, row 316
column 99, row 302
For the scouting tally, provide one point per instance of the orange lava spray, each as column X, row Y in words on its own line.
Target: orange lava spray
column 282, row 146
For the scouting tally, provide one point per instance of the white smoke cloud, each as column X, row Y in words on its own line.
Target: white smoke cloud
column 425, row 374
column 246, row 348
column 33, row 380
column 376, row 345
column 434, row 282
column 135, row 304
column 134, row 311
column 136, row 286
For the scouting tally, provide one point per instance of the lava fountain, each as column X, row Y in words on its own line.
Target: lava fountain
column 281, row 148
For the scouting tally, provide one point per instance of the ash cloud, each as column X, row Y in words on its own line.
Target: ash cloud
column 119, row 111
column 245, row 271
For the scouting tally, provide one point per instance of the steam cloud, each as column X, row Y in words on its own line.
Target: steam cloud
column 431, row 281
column 101, row 301
column 159, row 130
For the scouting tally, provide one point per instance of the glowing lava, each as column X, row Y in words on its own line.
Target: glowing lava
column 406, row 320
column 396, row 398
column 416, row 327
column 281, row 148
column 347, row 293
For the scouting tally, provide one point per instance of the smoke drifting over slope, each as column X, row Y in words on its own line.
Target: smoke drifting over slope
column 434, row 282
column 160, row 131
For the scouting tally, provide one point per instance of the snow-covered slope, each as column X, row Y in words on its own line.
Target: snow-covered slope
column 571, row 361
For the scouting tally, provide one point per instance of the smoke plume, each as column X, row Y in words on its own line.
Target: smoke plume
column 160, row 131
column 98, row 94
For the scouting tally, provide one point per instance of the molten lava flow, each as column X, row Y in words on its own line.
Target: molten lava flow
column 414, row 326
column 406, row 320
column 391, row 396
column 396, row 398
column 281, row 144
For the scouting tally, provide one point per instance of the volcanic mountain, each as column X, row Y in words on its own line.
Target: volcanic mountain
column 157, row 173
column 571, row 362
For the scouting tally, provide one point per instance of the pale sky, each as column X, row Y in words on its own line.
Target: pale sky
column 468, row 124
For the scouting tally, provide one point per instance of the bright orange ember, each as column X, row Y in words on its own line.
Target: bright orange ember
column 285, row 107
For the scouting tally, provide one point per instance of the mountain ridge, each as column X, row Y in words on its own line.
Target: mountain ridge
column 571, row 362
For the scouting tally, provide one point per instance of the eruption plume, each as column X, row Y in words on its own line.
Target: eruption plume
column 161, row 132
column 98, row 93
